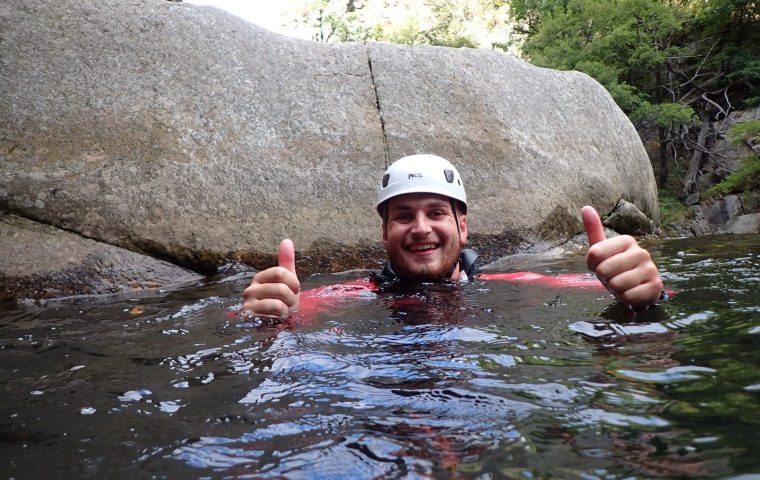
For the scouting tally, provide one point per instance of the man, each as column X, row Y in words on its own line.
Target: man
column 424, row 209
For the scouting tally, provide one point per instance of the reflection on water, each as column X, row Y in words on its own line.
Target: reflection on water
column 487, row 380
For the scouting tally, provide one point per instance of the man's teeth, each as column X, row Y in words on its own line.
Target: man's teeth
column 419, row 248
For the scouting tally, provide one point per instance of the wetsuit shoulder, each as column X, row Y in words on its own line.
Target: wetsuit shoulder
column 468, row 263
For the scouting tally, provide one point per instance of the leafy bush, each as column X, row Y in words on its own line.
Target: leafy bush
column 747, row 177
column 671, row 209
column 744, row 132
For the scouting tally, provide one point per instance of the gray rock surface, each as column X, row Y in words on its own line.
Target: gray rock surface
column 187, row 133
column 723, row 211
column 39, row 261
column 692, row 199
column 724, row 216
column 749, row 223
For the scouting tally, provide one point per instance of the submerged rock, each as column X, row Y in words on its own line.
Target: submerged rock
column 192, row 135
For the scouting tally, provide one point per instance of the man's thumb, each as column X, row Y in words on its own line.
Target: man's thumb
column 593, row 225
column 287, row 255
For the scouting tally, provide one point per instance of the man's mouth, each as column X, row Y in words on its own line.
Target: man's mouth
column 422, row 247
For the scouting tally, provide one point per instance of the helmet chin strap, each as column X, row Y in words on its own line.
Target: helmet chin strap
column 454, row 210
column 459, row 234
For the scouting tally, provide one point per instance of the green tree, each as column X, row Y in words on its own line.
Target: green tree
column 670, row 65
column 446, row 22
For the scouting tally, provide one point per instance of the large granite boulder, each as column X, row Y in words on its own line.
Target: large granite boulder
column 189, row 134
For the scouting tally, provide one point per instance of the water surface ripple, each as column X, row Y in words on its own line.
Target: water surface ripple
column 485, row 380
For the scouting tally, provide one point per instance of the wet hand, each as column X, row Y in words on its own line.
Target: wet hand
column 274, row 292
column 626, row 269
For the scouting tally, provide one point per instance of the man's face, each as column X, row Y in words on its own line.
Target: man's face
column 421, row 236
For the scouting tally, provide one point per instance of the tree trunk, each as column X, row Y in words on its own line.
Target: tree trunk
column 697, row 159
column 661, row 132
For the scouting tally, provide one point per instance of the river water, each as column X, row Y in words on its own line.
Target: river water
column 487, row 380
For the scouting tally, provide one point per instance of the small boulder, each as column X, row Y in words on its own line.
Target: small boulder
column 627, row 219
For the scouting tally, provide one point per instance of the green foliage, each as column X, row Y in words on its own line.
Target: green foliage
column 671, row 209
column 619, row 43
column 349, row 29
column 666, row 114
column 746, row 178
column 663, row 61
column 752, row 101
column 449, row 27
column 745, row 132
column 446, row 22
column 405, row 33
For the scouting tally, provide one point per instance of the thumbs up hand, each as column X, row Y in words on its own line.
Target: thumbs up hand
column 626, row 269
column 275, row 291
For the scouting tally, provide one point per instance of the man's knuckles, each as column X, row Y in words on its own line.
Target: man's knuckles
column 277, row 275
column 267, row 307
column 279, row 291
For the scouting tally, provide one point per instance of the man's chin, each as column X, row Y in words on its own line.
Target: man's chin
column 421, row 273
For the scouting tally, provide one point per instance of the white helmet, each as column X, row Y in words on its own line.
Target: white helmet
column 421, row 173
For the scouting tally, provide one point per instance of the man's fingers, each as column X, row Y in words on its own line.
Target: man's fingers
column 644, row 294
column 645, row 273
column 287, row 255
column 277, row 275
column 277, row 291
column 593, row 225
column 616, row 255
column 267, row 307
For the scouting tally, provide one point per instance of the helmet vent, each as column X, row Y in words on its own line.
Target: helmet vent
column 386, row 177
column 449, row 175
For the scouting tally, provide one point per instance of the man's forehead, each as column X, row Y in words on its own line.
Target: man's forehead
column 417, row 200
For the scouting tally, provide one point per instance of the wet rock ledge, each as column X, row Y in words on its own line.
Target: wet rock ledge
column 39, row 261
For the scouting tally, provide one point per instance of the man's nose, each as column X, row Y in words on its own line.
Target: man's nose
column 421, row 224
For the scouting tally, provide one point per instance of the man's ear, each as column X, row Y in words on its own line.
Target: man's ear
column 462, row 229
column 385, row 233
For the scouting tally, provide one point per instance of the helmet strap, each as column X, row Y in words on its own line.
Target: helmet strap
column 385, row 217
column 456, row 218
column 459, row 234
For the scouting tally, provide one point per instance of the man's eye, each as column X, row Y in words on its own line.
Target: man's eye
column 404, row 217
column 437, row 213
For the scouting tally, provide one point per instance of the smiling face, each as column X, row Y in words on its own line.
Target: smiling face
column 421, row 238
